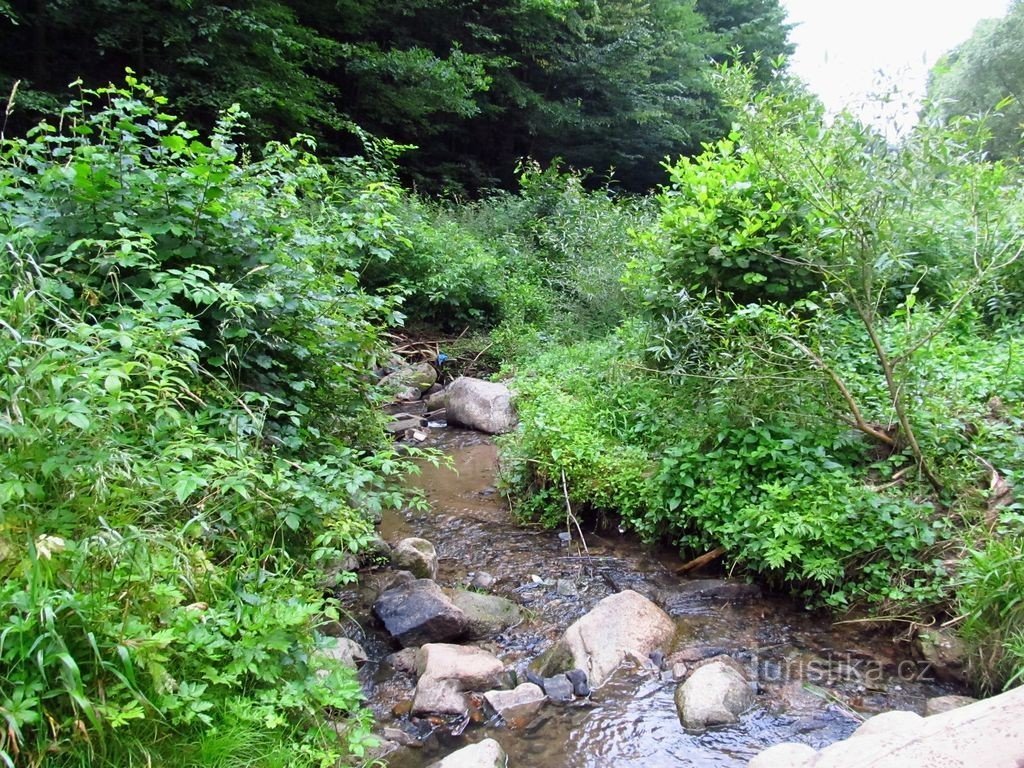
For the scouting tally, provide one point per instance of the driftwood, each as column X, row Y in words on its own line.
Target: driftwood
column 700, row 562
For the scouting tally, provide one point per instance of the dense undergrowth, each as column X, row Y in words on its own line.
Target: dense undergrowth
column 805, row 351
column 186, row 430
column 818, row 370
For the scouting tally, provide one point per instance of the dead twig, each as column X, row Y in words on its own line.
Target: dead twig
column 570, row 518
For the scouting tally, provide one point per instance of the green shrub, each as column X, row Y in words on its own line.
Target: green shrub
column 784, row 504
column 186, row 429
column 728, row 226
column 448, row 276
column 563, row 250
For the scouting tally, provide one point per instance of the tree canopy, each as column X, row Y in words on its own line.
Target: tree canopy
column 986, row 72
column 475, row 86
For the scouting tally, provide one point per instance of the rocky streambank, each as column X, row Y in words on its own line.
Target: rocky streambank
column 481, row 643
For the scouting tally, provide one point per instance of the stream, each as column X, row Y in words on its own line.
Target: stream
column 816, row 680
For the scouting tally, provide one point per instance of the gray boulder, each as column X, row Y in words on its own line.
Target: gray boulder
column 484, row 754
column 518, row 706
column 715, row 694
column 409, row 381
column 417, row 556
column 623, row 625
column 419, row 612
column 481, row 405
column 446, row 672
column 487, row 614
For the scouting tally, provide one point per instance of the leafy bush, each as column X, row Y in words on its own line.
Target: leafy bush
column 134, row 208
column 702, row 464
column 186, row 428
column 448, row 276
column 783, row 503
column 728, row 226
column 563, row 250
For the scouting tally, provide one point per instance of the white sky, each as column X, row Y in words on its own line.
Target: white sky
column 843, row 45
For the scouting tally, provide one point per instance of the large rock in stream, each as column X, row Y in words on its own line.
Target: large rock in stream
column 622, row 625
column 487, row 615
column 446, row 672
column 715, row 694
column 481, row 405
column 419, row 612
column 484, row 754
column 417, row 556
column 988, row 733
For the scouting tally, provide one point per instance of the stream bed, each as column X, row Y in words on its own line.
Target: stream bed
column 816, row 679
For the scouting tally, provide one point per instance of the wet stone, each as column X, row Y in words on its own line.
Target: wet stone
column 519, row 705
column 578, row 679
column 558, row 689
column 485, row 754
column 715, row 694
column 403, row 660
column 620, row 626
column 399, row 736
column 482, row 405
column 417, row 556
column 944, row 652
column 446, row 672
column 419, row 612
column 347, row 651
column 401, row 426
column 487, row 615
column 566, row 588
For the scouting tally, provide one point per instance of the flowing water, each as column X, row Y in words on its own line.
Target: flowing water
column 816, row 679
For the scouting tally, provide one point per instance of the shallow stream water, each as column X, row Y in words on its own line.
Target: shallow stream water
column 816, row 679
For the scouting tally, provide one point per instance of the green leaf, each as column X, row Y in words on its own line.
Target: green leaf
column 187, row 484
column 174, row 143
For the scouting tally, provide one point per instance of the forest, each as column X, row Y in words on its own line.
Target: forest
column 731, row 320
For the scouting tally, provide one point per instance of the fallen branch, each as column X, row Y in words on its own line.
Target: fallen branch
column 700, row 562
